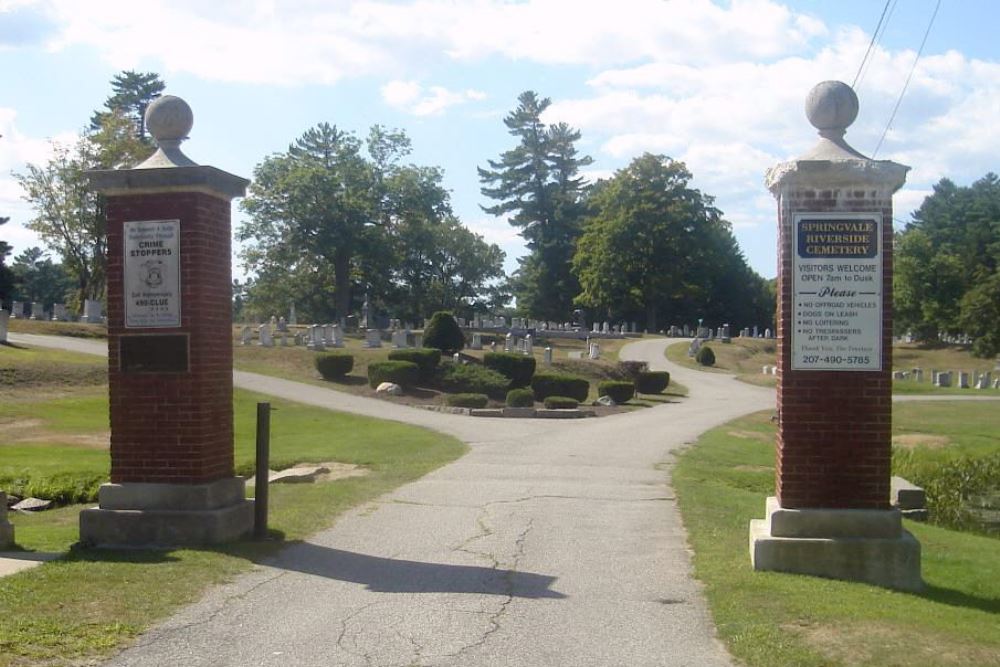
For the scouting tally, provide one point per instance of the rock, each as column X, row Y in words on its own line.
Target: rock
column 390, row 388
column 297, row 475
column 32, row 505
column 12, row 500
column 605, row 400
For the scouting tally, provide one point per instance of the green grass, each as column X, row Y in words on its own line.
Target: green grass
column 772, row 619
column 964, row 428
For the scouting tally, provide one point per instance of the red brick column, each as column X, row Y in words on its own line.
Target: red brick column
column 175, row 427
column 833, row 444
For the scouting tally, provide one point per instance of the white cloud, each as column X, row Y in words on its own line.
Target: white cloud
column 411, row 97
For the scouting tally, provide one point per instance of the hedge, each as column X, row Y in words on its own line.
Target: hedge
column 466, row 400
column 559, row 384
column 652, row 382
column 620, row 391
column 561, row 403
column 333, row 365
column 443, row 333
column 471, row 378
column 403, row 373
column 517, row 367
column 520, row 398
column 426, row 358
column 705, row 356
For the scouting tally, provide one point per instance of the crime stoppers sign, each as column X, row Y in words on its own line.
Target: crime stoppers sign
column 152, row 274
column 837, row 292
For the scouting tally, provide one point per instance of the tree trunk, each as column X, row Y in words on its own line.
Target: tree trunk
column 651, row 317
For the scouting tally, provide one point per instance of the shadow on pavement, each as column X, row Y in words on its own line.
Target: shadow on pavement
column 388, row 575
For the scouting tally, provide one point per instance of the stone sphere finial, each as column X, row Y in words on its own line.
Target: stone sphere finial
column 169, row 118
column 831, row 107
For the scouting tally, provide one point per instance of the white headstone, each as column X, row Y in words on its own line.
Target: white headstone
column 418, row 340
column 337, row 335
column 399, row 339
column 548, row 356
column 529, row 345
column 373, row 338
column 605, row 328
column 264, row 331
column 59, row 313
column 91, row 311
column 508, row 345
column 282, row 324
column 37, row 312
column 477, row 341
column 246, row 336
column 316, row 338
column 595, row 350
column 16, row 310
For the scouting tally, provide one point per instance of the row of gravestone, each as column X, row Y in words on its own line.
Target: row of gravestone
column 721, row 333
column 58, row 313
column 965, row 379
column 319, row 337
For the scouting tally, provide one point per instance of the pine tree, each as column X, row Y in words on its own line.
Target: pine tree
column 131, row 93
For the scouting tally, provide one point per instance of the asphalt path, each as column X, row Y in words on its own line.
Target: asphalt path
column 551, row 542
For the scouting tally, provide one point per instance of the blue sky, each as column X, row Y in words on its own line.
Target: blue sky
column 719, row 85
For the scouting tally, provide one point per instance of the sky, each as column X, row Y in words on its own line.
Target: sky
column 719, row 85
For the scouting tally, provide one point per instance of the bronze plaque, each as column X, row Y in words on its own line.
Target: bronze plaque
column 153, row 354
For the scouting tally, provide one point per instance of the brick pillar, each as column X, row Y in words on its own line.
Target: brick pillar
column 170, row 359
column 831, row 514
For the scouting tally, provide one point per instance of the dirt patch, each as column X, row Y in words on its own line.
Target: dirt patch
column 341, row 471
column 30, row 431
column 751, row 435
column 12, row 426
column 914, row 440
column 891, row 646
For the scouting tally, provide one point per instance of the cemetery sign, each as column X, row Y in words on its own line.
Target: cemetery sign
column 152, row 274
column 837, row 292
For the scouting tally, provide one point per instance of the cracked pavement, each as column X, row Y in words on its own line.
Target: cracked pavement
column 552, row 542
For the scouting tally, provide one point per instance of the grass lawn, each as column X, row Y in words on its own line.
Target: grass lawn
column 81, row 608
column 772, row 619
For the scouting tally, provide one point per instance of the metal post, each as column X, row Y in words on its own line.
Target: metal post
column 263, row 463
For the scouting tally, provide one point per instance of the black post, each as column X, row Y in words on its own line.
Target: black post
column 263, row 463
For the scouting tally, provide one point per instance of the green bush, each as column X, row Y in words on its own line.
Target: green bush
column 559, row 384
column 517, row 367
column 403, row 373
column 62, row 488
column 443, row 333
column 332, row 365
column 620, row 391
column 466, row 400
column 705, row 356
column 426, row 358
column 959, row 492
column 520, row 398
column 632, row 369
column 652, row 382
column 471, row 378
column 561, row 403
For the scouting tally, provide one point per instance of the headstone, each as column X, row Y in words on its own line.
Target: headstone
column 605, row 328
column 59, row 313
column 274, row 323
column 292, row 317
column 337, row 335
column 963, row 380
column 548, row 355
column 246, row 336
column 328, row 334
column 37, row 312
column 595, row 350
column 755, row 334
column 694, row 347
column 264, row 331
column 16, row 310
column 983, row 382
column 373, row 338
column 282, row 324
column 298, row 338
column 477, row 341
column 830, row 515
column 418, row 340
column 767, row 333
column 918, row 374
column 91, row 311
column 399, row 339
column 597, row 328
column 529, row 345
column 943, row 379
column 508, row 345
column 4, row 324
column 766, row 370
column 493, row 346
column 316, row 342
column 456, row 358
column 284, row 338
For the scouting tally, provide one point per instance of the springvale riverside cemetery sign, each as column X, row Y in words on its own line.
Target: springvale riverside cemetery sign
column 837, row 292
column 152, row 274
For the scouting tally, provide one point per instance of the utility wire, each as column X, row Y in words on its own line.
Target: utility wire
column 909, row 76
column 871, row 44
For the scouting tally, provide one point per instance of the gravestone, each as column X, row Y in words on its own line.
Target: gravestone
column 37, row 312
column 247, row 336
column 918, row 374
column 418, row 340
column 264, row 334
column 284, row 338
column 293, row 319
column 373, row 338
column 548, row 356
column 399, row 339
column 943, row 379
column 831, row 516
column 336, row 335
column 282, row 324
column 91, row 311
column 170, row 352
column 4, row 325
column 963, row 380
column 16, row 310
column 508, row 344
column 529, row 345
column 59, row 313
column 477, row 341
column 605, row 327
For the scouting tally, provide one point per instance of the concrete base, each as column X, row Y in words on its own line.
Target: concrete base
column 855, row 545
column 166, row 515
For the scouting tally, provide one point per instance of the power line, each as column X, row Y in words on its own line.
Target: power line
column 909, row 76
column 871, row 44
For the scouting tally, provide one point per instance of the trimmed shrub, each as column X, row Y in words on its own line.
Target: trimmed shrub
column 559, row 384
column 632, row 369
column 520, row 398
column 652, row 382
column 705, row 356
column 620, row 391
column 466, row 400
column 426, row 358
column 332, row 365
column 471, row 378
column 403, row 373
column 517, row 367
column 561, row 403
column 443, row 333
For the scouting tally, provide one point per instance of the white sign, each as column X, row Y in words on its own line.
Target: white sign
column 837, row 292
column 152, row 274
